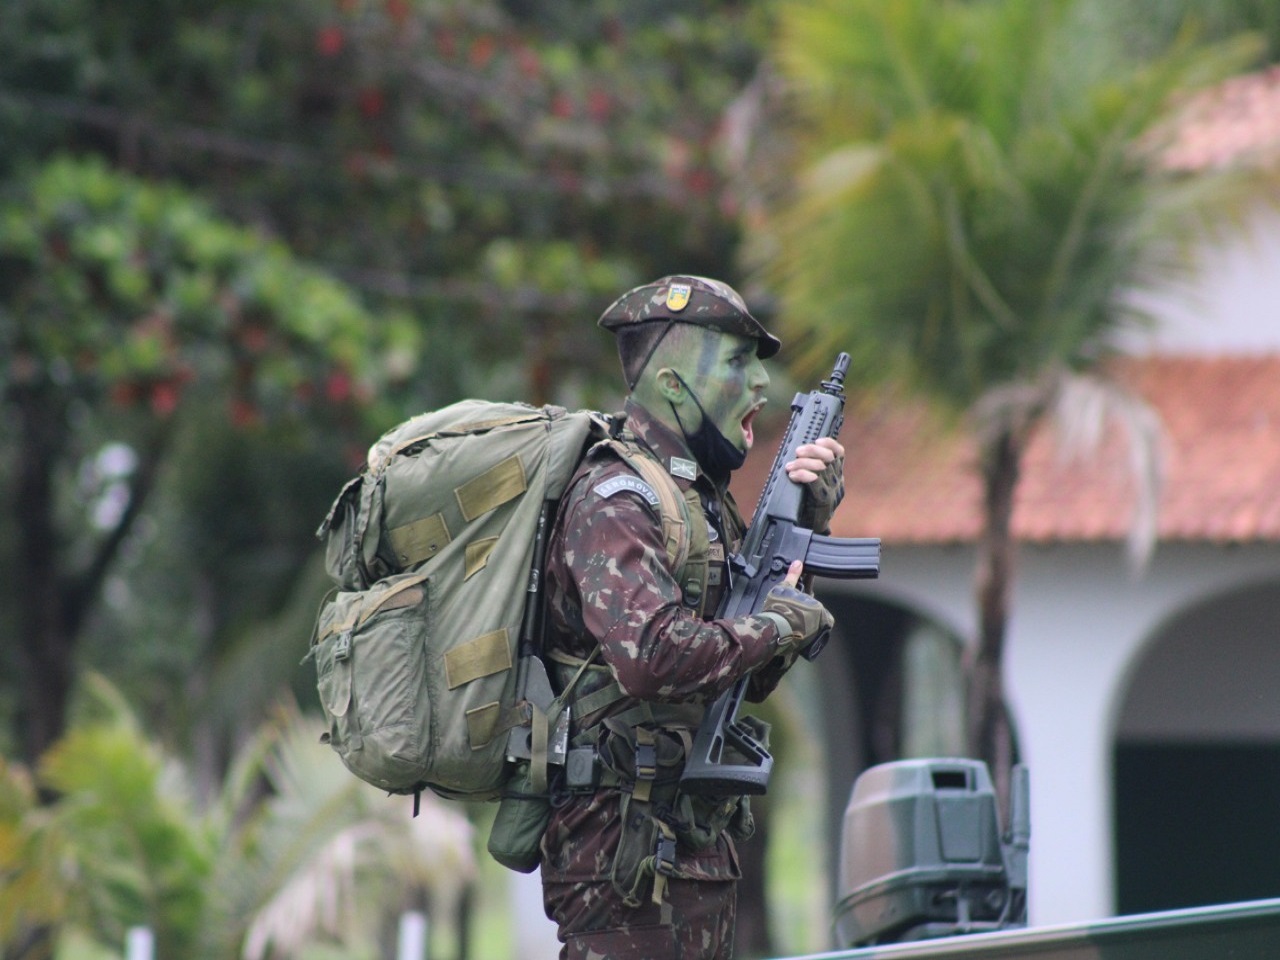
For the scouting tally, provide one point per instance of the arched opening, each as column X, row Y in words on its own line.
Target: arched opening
column 1197, row 758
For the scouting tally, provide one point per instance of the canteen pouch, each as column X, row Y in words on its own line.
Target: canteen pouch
column 515, row 840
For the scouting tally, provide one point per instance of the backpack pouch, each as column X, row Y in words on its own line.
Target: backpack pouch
column 370, row 666
column 339, row 533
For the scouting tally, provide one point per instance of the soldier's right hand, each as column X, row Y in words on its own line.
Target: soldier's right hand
column 809, row 621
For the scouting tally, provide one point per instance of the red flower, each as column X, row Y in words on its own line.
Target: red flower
column 482, row 50
column 243, row 413
column 446, row 44
column 599, row 104
column 699, row 181
column 329, row 41
column 562, row 105
column 164, row 398
column 398, row 11
column 338, row 387
column 124, row 393
column 528, row 63
column 371, row 102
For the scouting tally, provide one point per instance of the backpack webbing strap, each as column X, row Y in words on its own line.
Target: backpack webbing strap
column 542, row 723
column 385, row 602
column 539, row 738
column 460, row 430
column 664, row 860
column 693, row 578
column 684, row 530
column 646, row 763
column 672, row 507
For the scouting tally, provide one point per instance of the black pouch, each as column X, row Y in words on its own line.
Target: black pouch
column 516, row 838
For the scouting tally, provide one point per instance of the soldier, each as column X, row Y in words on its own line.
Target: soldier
column 631, row 868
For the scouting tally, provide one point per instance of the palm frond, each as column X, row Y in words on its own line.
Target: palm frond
column 328, row 858
column 1084, row 407
column 971, row 205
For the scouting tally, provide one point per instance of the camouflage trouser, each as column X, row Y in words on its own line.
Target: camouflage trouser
column 694, row 922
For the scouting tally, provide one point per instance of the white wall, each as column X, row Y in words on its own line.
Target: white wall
column 1078, row 621
column 1234, row 305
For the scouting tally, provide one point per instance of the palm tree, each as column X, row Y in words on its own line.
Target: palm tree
column 976, row 191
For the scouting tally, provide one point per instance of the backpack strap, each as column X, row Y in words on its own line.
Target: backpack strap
column 684, row 529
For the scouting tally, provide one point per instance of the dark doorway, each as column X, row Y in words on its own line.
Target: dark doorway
column 1196, row 824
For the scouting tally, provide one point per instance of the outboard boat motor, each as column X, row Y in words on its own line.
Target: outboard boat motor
column 923, row 856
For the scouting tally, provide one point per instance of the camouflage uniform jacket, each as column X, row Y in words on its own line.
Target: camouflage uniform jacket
column 609, row 582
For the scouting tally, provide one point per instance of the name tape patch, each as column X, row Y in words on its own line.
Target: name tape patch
column 620, row 484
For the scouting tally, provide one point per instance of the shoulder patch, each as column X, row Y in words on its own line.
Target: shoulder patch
column 622, row 483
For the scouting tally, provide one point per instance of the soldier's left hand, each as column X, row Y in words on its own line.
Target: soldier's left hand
column 814, row 458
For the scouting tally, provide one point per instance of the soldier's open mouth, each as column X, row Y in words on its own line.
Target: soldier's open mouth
column 748, row 431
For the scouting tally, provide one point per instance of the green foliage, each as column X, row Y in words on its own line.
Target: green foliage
column 397, row 141
column 488, row 175
column 973, row 199
column 120, row 846
column 134, row 290
column 138, row 859
column 295, row 852
column 1144, row 27
column 136, row 323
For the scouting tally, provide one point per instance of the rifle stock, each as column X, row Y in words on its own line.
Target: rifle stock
column 726, row 757
column 533, row 687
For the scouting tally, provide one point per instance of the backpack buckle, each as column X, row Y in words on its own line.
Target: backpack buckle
column 646, row 761
column 664, row 855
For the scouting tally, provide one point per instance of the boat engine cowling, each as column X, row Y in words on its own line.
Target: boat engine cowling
column 923, row 856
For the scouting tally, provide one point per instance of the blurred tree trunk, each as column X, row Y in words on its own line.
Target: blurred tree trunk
column 989, row 735
column 45, row 641
column 54, row 602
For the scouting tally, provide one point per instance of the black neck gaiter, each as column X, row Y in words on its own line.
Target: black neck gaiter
column 715, row 452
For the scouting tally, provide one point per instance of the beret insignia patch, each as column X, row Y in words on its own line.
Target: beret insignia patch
column 621, row 484
column 678, row 296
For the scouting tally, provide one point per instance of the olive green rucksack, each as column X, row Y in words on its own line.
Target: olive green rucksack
column 432, row 547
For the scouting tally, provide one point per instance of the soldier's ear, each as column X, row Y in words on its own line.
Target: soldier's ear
column 670, row 386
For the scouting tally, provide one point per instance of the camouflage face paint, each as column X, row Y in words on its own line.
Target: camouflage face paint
column 727, row 378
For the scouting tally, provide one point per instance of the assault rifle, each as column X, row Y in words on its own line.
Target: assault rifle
column 774, row 539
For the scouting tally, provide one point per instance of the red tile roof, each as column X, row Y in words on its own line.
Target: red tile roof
column 911, row 480
column 1238, row 120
